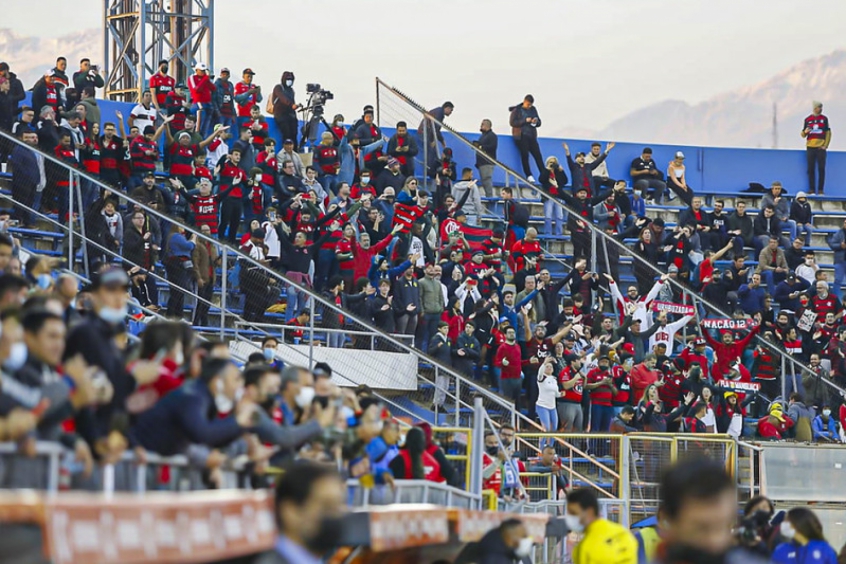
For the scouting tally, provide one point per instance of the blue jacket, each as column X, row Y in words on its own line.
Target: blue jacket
column 638, row 206
column 183, row 417
column 751, row 299
column 511, row 312
column 823, row 430
column 815, row 552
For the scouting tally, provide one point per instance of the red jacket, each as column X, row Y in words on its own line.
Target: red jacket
column 727, row 354
column 642, row 377
column 514, row 356
column 362, row 257
column 201, row 88
column 769, row 431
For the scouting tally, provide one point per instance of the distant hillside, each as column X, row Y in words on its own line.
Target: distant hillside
column 30, row 57
column 744, row 117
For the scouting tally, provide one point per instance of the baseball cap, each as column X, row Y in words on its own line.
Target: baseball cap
column 728, row 394
column 288, row 142
column 149, row 173
column 699, row 341
column 201, row 66
column 111, row 277
column 248, row 71
column 223, row 70
column 181, row 85
column 679, row 155
column 673, row 268
column 778, row 414
column 149, row 130
column 392, row 161
column 503, row 319
column 801, row 195
column 4, row 66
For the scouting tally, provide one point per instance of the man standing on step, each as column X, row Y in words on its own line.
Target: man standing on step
column 525, row 121
column 817, row 135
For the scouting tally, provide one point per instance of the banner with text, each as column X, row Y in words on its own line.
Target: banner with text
column 727, row 323
column 670, row 307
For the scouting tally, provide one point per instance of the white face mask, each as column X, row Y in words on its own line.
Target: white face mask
column 365, row 180
column 289, row 83
column 179, row 357
column 305, row 397
column 113, row 315
column 268, row 353
column 524, row 549
column 17, row 357
column 787, row 530
column 827, row 412
column 638, row 193
column 573, row 523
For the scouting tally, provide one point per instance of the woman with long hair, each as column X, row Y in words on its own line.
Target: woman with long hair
column 648, row 250
column 413, row 462
column 547, row 394
column 806, row 543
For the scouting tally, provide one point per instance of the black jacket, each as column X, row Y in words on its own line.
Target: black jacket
column 487, row 142
column 519, row 125
column 764, row 226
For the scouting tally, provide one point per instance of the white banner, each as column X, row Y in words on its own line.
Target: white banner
column 350, row 367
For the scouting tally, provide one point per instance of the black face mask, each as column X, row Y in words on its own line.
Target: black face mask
column 492, row 451
column 690, row 555
column 327, row 537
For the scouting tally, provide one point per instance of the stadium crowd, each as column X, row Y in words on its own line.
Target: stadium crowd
column 413, row 255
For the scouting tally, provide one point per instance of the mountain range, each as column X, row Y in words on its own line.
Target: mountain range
column 739, row 118
column 742, row 117
column 31, row 57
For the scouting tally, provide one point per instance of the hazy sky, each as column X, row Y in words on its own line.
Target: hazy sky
column 587, row 63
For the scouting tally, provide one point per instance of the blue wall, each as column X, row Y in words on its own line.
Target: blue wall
column 709, row 169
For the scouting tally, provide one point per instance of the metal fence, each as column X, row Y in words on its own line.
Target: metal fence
column 412, row 491
column 51, row 467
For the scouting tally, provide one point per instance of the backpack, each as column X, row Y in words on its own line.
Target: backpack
column 520, row 215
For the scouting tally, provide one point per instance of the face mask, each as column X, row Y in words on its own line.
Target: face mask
column 17, row 357
column 113, row 315
column 289, row 83
column 524, row 549
column 787, row 530
column 573, row 523
column 826, row 412
column 223, row 403
column 691, row 555
column 492, row 451
column 327, row 536
column 44, row 281
column 305, row 397
column 365, row 180
column 638, row 193
column 268, row 354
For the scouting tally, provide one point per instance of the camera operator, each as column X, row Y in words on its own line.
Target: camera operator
column 285, row 108
column 758, row 531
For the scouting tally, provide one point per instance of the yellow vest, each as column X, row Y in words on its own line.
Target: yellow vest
column 605, row 542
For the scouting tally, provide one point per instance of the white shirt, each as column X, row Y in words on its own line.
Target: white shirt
column 808, row 273
column 214, row 157
column 547, row 392
column 668, row 333
column 271, row 239
column 417, row 247
column 143, row 116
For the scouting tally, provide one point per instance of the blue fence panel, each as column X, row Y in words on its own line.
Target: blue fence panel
column 709, row 169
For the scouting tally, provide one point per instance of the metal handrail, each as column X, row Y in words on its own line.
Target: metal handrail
column 426, row 487
column 597, row 233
